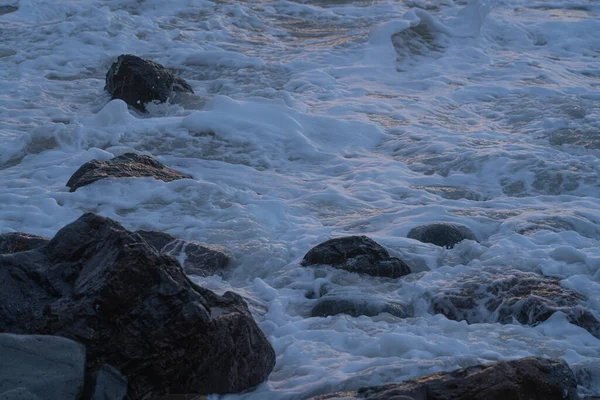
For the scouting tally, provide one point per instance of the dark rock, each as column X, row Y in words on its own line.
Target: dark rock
column 129, row 165
column 198, row 260
column 108, row 384
column 528, row 378
column 15, row 242
column 133, row 308
column 443, row 235
column 49, row 367
column 353, row 306
column 511, row 295
column 137, row 81
column 357, row 254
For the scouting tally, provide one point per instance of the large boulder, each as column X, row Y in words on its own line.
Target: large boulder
column 133, row 308
column 528, row 378
column 138, row 81
column 356, row 254
column 357, row 306
column 40, row 367
column 196, row 259
column 13, row 242
column 128, row 165
column 510, row 295
column 441, row 234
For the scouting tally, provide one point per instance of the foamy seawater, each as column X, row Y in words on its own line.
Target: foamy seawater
column 319, row 119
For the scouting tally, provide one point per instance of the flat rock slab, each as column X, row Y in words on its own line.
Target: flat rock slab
column 441, row 234
column 138, row 81
column 133, row 308
column 528, row 378
column 508, row 295
column 40, row 366
column 197, row 259
column 15, row 242
column 128, row 165
column 356, row 254
column 357, row 306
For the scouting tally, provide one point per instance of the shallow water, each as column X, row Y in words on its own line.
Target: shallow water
column 318, row 119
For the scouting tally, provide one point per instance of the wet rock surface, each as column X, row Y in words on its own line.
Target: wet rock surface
column 443, row 235
column 40, row 367
column 15, row 242
column 528, row 378
column 510, row 295
column 355, row 307
column 197, row 259
column 128, row 165
column 138, row 81
column 133, row 308
column 357, row 254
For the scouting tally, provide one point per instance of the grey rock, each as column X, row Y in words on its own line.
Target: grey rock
column 40, row 366
column 510, row 295
column 356, row 254
column 133, row 308
column 587, row 373
column 128, row 165
column 353, row 306
column 198, row 260
column 108, row 384
column 441, row 234
column 15, row 242
column 138, row 81
column 528, row 378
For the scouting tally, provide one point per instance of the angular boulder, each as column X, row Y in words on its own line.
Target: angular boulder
column 128, row 165
column 510, row 295
column 138, row 81
column 356, row 254
column 197, row 259
column 15, row 242
column 441, row 234
column 528, row 378
column 133, row 308
column 357, row 306
column 40, row 366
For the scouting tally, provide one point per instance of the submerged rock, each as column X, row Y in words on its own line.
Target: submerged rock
column 357, row 254
column 128, row 165
column 133, row 308
column 442, row 234
column 40, row 367
column 357, row 306
column 510, row 295
column 198, row 260
column 137, row 81
column 15, row 242
column 528, row 378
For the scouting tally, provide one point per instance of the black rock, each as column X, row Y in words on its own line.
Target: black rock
column 15, row 242
column 443, row 235
column 528, row 378
column 353, row 306
column 511, row 295
column 137, row 81
column 133, row 308
column 357, row 254
column 198, row 260
column 128, row 165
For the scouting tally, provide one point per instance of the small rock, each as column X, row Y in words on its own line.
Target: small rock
column 49, row 367
column 137, row 81
column 109, row 384
column 355, row 307
column 508, row 295
column 198, row 260
column 357, row 254
column 528, row 378
column 15, row 242
column 128, row 165
column 443, row 235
